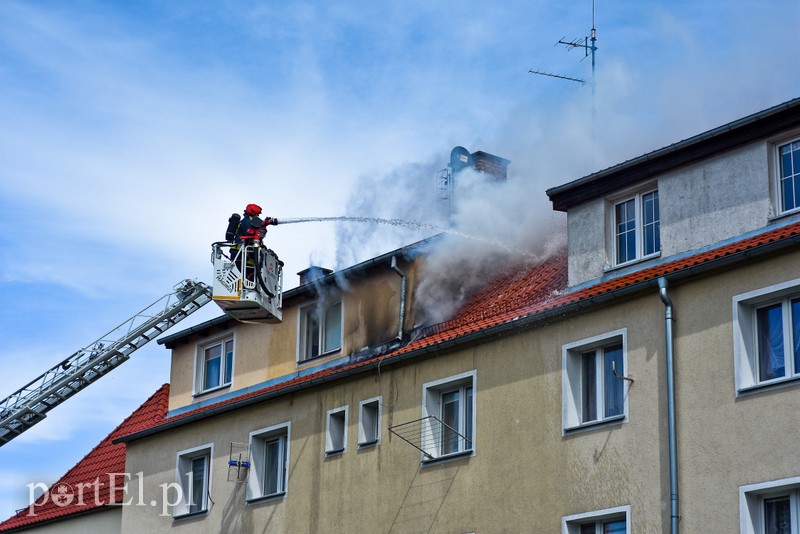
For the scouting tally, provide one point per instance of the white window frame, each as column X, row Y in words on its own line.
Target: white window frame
column 571, row 524
column 751, row 503
column 183, row 468
column 370, row 412
column 777, row 190
column 745, row 335
column 302, row 329
column 256, row 477
column 432, row 406
column 572, row 381
column 637, row 196
column 200, row 363
column 336, row 431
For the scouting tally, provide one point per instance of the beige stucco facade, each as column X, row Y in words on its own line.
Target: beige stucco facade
column 525, row 473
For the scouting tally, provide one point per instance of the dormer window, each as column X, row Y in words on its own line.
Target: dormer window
column 320, row 329
column 637, row 227
column 214, row 367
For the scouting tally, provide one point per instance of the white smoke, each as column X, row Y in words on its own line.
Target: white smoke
column 509, row 214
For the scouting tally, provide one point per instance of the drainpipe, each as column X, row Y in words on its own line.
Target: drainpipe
column 673, row 459
column 402, row 319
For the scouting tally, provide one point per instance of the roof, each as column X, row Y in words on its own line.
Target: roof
column 107, row 457
column 517, row 299
column 754, row 127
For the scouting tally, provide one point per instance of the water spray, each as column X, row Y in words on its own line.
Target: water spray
column 409, row 224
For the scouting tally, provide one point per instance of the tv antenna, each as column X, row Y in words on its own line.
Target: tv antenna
column 589, row 46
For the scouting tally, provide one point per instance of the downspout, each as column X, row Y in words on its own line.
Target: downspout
column 673, row 459
column 402, row 319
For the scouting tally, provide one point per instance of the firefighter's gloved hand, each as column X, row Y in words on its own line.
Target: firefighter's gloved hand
column 270, row 221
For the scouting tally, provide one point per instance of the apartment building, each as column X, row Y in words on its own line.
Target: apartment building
column 644, row 379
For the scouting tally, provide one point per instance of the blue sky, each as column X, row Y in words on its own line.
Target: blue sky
column 129, row 131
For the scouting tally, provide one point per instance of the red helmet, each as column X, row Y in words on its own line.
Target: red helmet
column 252, row 209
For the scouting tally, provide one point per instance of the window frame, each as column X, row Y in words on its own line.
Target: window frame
column 365, row 438
column 432, row 393
column 777, row 177
column 324, row 305
column 637, row 196
column 751, row 503
column 572, row 381
column 183, row 460
column 336, row 431
column 200, row 362
column 571, row 524
column 258, row 440
column 745, row 336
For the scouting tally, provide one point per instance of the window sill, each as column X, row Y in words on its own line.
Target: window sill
column 777, row 383
column 264, row 498
column 451, row 456
column 323, row 355
column 336, row 452
column 632, row 262
column 783, row 215
column 212, row 390
column 189, row 515
column 595, row 425
column 368, row 444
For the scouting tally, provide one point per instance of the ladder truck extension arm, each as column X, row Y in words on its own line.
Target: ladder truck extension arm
column 30, row 404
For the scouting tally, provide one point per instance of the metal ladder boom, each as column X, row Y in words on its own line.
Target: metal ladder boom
column 30, row 404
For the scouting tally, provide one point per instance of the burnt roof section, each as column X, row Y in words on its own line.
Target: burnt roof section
column 734, row 134
column 308, row 290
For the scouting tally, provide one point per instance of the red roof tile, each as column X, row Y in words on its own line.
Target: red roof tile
column 105, row 458
column 524, row 293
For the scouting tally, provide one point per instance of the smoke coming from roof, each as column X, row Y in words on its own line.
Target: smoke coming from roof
column 496, row 226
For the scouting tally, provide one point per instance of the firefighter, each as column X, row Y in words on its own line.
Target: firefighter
column 249, row 230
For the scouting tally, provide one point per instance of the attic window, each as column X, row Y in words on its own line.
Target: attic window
column 320, row 329
column 636, row 227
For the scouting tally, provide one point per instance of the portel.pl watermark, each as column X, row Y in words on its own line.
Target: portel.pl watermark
column 106, row 488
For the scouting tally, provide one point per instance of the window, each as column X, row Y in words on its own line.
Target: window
column 637, row 227
column 771, row 507
column 320, row 329
column 448, row 415
column 594, row 390
column 214, row 367
column 336, row 436
column 369, row 422
column 193, row 476
column 610, row 521
column 269, row 455
column 789, row 176
column 767, row 335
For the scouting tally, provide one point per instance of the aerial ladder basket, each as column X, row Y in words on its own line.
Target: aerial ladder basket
column 248, row 281
column 30, row 404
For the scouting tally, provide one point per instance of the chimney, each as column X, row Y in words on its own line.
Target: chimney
column 312, row 273
column 495, row 166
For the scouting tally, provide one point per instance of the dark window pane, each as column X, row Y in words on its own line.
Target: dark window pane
column 589, row 407
column 450, row 419
column 212, row 373
column 198, row 484
column 588, row 528
column 777, row 516
column 613, row 386
column 312, row 334
column 796, row 334
column 333, row 328
column 769, row 322
column 468, row 418
column 272, row 462
column 228, row 362
column 625, row 215
column 614, row 527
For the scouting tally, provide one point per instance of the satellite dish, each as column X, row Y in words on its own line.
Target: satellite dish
column 460, row 158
